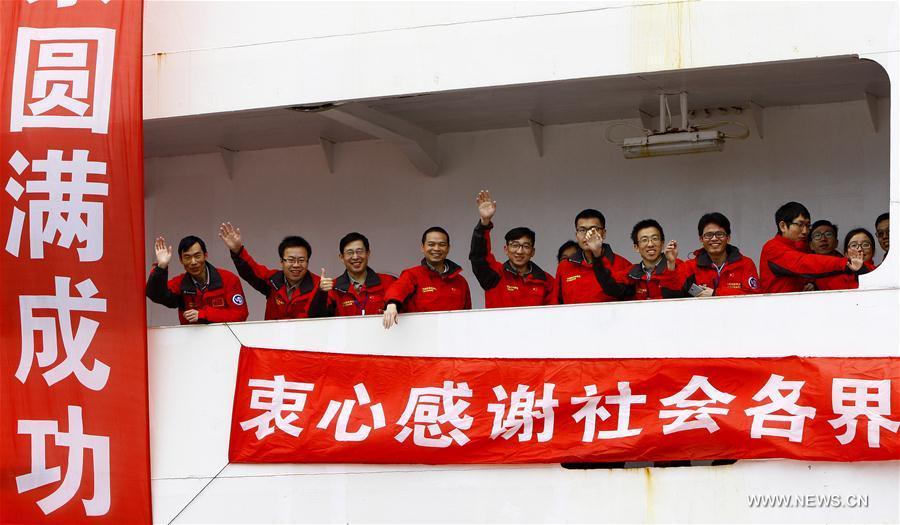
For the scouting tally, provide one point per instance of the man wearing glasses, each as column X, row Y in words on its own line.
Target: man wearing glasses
column 289, row 290
column 786, row 262
column 203, row 294
column 518, row 281
column 359, row 290
column 883, row 231
column 718, row 268
column 578, row 278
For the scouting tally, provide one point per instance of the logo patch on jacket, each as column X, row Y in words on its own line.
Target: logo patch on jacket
column 218, row 302
column 279, row 301
column 237, row 299
column 429, row 289
column 345, row 304
column 511, row 288
column 734, row 285
column 753, row 282
column 570, row 279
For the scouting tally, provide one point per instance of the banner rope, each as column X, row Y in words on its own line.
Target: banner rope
column 188, row 504
column 238, row 339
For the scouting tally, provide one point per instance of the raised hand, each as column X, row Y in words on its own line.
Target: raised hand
column 594, row 240
column 671, row 253
column 163, row 252
column 325, row 284
column 486, row 207
column 856, row 260
column 231, row 236
column 390, row 316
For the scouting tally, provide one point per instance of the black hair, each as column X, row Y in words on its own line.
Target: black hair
column 565, row 246
column 591, row 213
column 855, row 231
column 351, row 237
column 294, row 241
column 518, row 233
column 883, row 217
column 189, row 241
column 435, row 229
column 646, row 223
column 823, row 222
column 788, row 212
column 714, row 218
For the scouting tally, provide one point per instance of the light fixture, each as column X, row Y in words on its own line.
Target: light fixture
column 676, row 143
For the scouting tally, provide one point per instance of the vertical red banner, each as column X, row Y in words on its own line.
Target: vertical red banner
column 74, row 439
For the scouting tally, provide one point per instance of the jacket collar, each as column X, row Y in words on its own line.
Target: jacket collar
column 452, row 268
column 732, row 255
column 637, row 271
column 535, row 271
column 215, row 281
column 578, row 258
column 343, row 283
column 279, row 282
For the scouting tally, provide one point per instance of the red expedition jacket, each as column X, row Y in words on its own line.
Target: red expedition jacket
column 421, row 289
column 344, row 300
column 844, row 281
column 785, row 265
column 503, row 286
column 635, row 284
column 273, row 285
column 737, row 277
column 578, row 281
column 221, row 302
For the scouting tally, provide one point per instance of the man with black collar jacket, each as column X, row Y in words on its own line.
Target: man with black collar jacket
column 577, row 278
column 357, row 291
column 718, row 268
column 432, row 286
column 203, row 294
column 288, row 291
column 655, row 276
column 518, row 281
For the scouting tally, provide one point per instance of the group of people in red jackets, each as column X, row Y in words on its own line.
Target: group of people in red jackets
column 802, row 256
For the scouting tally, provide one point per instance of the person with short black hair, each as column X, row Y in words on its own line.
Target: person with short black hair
column 289, row 290
column 578, row 278
column 718, row 268
column 883, row 231
column 566, row 250
column 203, row 294
column 518, row 281
column 360, row 290
column 823, row 238
column 786, row 263
column 655, row 276
column 434, row 285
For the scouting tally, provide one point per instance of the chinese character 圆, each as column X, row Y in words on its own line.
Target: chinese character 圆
column 591, row 411
column 430, row 407
column 66, row 90
column 346, row 408
column 63, row 211
column 275, row 397
column 75, row 339
column 77, row 442
column 870, row 399
column 779, row 403
column 695, row 408
column 523, row 410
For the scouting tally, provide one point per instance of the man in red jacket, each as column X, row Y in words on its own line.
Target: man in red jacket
column 289, row 290
column 434, row 285
column 518, row 281
column 786, row 262
column 203, row 294
column 655, row 276
column 577, row 277
column 718, row 268
column 357, row 291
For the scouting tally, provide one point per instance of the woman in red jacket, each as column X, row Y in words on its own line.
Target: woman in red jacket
column 858, row 243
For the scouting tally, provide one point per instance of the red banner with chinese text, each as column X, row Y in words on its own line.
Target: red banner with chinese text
column 313, row 407
column 74, row 441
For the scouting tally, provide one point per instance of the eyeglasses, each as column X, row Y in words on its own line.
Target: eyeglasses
column 644, row 241
column 801, row 225
column 516, row 246
column 295, row 260
column 581, row 230
column 708, row 236
column 359, row 252
column 865, row 245
column 819, row 235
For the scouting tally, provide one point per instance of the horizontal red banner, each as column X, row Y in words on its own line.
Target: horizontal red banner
column 314, row 407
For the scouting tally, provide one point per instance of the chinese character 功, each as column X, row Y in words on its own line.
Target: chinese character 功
column 523, row 410
column 276, row 396
column 341, row 433
column 765, row 413
column 429, row 408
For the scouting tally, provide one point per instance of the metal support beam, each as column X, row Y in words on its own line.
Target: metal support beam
column 759, row 117
column 420, row 146
column 646, row 119
column 682, row 99
column 537, row 133
column 872, row 102
column 227, row 155
column 328, row 150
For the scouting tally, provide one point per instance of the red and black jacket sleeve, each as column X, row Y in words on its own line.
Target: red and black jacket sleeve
column 322, row 305
column 254, row 273
column 158, row 289
column 484, row 265
column 402, row 289
column 614, row 283
column 795, row 263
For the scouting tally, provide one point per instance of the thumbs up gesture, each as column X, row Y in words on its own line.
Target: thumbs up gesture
column 325, row 284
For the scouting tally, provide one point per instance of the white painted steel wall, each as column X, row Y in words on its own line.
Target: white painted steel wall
column 826, row 156
column 193, row 370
